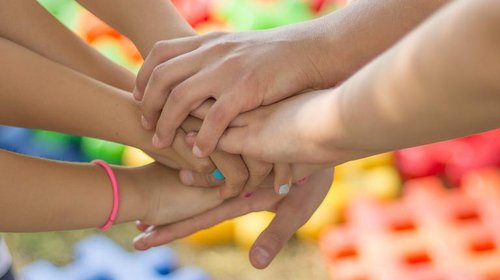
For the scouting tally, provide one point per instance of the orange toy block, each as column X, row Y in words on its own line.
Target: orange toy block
column 430, row 233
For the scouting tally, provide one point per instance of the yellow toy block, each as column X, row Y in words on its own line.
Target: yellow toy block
column 249, row 227
column 327, row 214
column 220, row 234
column 135, row 157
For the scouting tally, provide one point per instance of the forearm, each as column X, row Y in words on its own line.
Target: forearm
column 40, row 93
column 351, row 37
column 439, row 83
column 42, row 195
column 30, row 25
column 144, row 22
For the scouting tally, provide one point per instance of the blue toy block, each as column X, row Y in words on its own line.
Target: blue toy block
column 14, row 139
column 188, row 273
column 41, row 270
column 21, row 140
column 99, row 258
column 46, row 150
column 161, row 260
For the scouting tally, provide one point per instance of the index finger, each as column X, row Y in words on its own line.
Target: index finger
column 263, row 199
column 292, row 213
column 161, row 52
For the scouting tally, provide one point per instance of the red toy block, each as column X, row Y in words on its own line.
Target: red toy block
column 451, row 159
column 430, row 233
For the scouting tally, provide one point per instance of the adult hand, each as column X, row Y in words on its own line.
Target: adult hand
column 301, row 129
column 242, row 175
column 242, row 71
column 292, row 211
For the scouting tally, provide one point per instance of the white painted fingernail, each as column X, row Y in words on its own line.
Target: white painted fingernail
column 284, row 189
column 197, row 151
column 149, row 229
column 139, row 238
column 136, row 94
column 145, row 123
column 156, row 141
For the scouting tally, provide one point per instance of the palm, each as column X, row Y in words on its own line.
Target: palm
column 292, row 212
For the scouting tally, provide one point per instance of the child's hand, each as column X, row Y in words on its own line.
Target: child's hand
column 242, row 174
column 301, row 129
column 242, row 71
column 168, row 199
column 292, row 212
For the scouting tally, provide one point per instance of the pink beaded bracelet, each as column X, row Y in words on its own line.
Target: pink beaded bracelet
column 116, row 194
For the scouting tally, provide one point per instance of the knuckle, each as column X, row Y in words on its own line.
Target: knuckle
column 217, row 115
column 261, row 170
column 223, row 46
column 215, row 34
column 233, row 61
column 239, row 178
column 207, row 181
column 249, row 82
column 161, row 68
column 155, row 75
column 176, row 95
column 158, row 48
column 203, row 166
column 274, row 239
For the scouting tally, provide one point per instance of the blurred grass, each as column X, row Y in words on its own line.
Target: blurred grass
column 298, row 261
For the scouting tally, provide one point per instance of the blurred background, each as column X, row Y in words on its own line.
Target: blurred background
column 430, row 212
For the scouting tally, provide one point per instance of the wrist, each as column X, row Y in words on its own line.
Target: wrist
column 323, row 52
column 328, row 135
column 134, row 198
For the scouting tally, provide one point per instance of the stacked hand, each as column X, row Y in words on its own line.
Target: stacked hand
column 199, row 88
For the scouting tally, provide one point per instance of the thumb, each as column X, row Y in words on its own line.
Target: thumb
column 273, row 239
column 233, row 140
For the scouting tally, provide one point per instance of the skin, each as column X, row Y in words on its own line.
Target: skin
column 243, row 71
column 31, row 26
column 451, row 59
column 243, row 175
column 420, row 84
column 50, row 195
column 292, row 212
column 152, row 194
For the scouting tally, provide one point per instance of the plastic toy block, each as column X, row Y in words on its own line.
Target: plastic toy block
column 135, row 157
column 451, row 159
column 430, row 233
column 248, row 228
column 222, row 233
column 99, row 258
column 40, row 143
column 14, row 139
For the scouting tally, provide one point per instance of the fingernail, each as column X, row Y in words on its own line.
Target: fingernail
column 145, row 123
column 218, row 175
column 248, row 195
column 139, row 238
column 197, row 151
column 149, row 230
column 156, row 141
column 261, row 256
column 284, row 189
column 187, row 177
column 302, row 181
column 136, row 93
column 191, row 134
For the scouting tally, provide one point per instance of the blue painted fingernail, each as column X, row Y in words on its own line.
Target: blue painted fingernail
column 218, row 175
